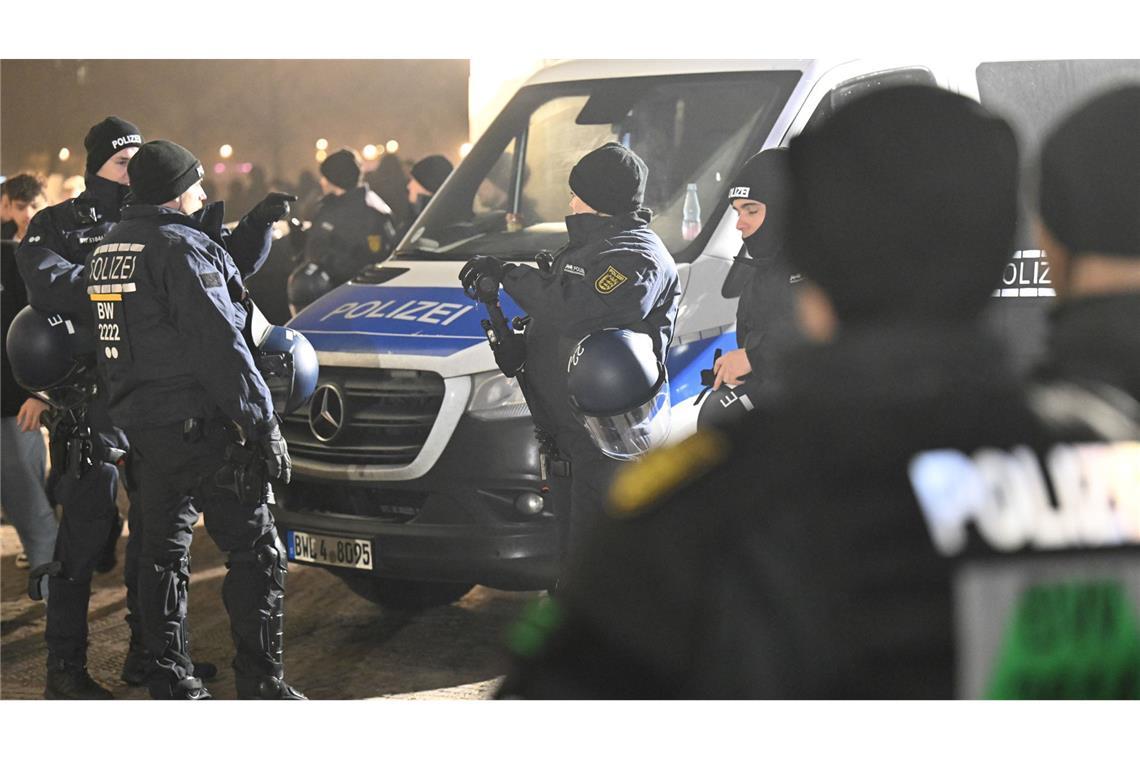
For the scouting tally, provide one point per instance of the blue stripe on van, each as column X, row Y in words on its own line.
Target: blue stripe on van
column 686, row 361
column 424, row 321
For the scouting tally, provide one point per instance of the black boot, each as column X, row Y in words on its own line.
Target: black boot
column 265, row 687
column 136, row 667
column 187, row 688
column 67, row 680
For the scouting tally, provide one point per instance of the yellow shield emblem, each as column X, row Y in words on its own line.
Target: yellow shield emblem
column 610, row 280
column 374, row 243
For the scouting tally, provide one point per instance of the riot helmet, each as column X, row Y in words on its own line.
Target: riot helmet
column 724, row 406
column 53, row 356
column 619, row 390
column 288, row 364
column 307, row 283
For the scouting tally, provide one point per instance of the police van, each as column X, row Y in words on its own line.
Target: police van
column 416, row 470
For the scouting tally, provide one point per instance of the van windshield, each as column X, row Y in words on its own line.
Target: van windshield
column 510, row 196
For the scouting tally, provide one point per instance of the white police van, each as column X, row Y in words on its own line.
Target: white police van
column 416, row 472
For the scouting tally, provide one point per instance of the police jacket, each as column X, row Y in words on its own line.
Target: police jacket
column 1096, row 338
column 907, row 523
column 614, row 272
column 60, row 238
column 52, row 255
column 349, row 232
column 13, row 298
column 171, row 325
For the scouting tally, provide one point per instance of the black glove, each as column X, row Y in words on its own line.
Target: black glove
column 276, row 453
column 273, row 207
column 477, row 267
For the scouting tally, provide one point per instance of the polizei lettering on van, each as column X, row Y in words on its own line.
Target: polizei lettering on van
column 1006, row 496
column 427, row 312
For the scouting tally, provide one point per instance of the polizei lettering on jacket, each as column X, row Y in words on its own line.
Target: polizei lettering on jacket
column 1005, row 495
column 427, row 312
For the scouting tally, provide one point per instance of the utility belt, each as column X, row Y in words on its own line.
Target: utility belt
column 244, row 472
column 72, row 446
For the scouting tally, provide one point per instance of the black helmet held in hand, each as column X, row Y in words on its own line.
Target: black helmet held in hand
column 52, row 356
column 619, row 390
column 288, row 364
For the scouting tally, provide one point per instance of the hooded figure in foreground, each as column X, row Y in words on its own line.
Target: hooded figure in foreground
column 887, row 529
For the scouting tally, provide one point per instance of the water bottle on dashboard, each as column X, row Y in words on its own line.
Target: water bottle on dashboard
column 691, row 214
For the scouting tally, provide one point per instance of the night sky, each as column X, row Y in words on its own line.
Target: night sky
column 271, row 111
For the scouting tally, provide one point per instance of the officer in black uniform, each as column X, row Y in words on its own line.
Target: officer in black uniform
column 1089, row 201
column 353, row 225
column 614, row 272
column 52, row 259
column 887, row 529
column 173, row 331
column 765, row 315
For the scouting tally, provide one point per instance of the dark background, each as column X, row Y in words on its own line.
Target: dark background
column 271, row 111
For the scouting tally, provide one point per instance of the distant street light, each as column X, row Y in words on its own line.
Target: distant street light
column 392, row 146
column 464, row 149
column 226, row 151
column 322, row 144
column 64, row 154
column 322, row 155
column 370, row 152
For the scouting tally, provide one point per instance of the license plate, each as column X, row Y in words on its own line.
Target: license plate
column 330, row 550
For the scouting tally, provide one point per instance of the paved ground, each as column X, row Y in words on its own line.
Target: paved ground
column 337, row 645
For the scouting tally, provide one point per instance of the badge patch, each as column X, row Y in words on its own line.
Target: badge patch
column 610, row 281
column 374, row 243
column 211, row 280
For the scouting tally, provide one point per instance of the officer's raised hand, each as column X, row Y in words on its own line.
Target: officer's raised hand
column 272, row 446
column 272, row 207
column 477, row 267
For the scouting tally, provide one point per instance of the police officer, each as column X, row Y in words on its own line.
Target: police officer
column 613, row 272
column 52, row 261
column 353, row 225
column 765, row 315
column 428, row 175
column 889, row 524
column 1089, row 196
column 174, row 349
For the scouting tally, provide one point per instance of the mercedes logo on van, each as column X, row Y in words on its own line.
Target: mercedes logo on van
column 326, row 413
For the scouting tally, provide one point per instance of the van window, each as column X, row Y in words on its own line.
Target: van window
column 510, row 195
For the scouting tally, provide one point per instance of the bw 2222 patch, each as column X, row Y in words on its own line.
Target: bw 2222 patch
column 610, row 281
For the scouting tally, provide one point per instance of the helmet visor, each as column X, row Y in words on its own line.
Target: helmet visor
column 630, row 434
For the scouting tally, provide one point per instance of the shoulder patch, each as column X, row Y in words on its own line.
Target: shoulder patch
column 610, row 281
column 664, row 471
column 374, row 243
column 211, row 280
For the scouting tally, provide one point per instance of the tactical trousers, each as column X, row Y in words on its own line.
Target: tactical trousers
column 178, row 477
column 591, row 472
column 89, row 517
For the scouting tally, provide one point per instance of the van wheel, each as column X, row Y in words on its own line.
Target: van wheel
column 406, row 595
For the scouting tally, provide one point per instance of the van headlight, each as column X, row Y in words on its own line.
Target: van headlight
column 496, row 397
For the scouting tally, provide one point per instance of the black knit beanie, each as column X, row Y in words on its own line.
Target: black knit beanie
column 342, row 169
column 1089, row 185
column 904, row 205
column 431, row 171
column 764, row 178
column 610, row 179
column 107, row 138
column 161, row 171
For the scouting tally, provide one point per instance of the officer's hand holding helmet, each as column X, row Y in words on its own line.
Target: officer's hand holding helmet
column 52, row 356
column 288, row 364
column 619, row 390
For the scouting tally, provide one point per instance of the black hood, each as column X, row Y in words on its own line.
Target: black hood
column 1096, row 338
